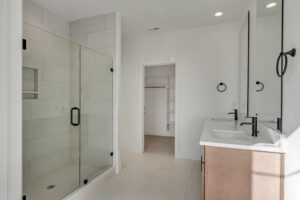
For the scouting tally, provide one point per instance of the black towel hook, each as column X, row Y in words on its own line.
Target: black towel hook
column 222, row 84
column 285, row 55
column 262, row 86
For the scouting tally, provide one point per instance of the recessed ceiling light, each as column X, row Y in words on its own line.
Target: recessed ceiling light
column 153, row 29
column 218, row 14
column 271, row 5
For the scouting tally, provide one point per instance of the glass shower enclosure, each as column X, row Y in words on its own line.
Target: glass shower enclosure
column 67, row 114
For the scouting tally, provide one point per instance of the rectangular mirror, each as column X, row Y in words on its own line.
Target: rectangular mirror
column 265, row 85
column 244, row 65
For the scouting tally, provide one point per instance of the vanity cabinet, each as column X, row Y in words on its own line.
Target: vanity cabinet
column 234, row 174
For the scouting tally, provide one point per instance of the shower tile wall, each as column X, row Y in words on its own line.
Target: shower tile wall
column 97, row 33
column 96, row 109
column 46, row 119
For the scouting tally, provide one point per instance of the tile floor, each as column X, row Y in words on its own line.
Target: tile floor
column 153, row 176
column 159, row 144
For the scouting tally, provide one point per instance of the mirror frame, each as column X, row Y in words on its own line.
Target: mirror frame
column 280, row 121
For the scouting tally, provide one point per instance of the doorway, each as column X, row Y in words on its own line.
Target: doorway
column 159, row 109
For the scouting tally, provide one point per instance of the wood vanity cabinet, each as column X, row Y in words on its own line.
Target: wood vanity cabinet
column 234, row 174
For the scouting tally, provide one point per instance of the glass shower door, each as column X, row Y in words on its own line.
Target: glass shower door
column 50, row 90
column 96, row 113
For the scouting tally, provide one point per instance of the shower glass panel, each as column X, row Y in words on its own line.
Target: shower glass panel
column 50, row 144
column 67, row 115
column 96, row 112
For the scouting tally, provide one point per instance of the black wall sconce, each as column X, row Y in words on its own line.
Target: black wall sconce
column 221, row 87
column 24, row 44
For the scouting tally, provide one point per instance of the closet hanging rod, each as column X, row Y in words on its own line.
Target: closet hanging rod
column 155, row 87
column 168, row 76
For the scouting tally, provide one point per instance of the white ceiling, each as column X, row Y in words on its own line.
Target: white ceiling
column 139, row 15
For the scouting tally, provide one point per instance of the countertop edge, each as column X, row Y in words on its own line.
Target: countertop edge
column 272, row 149
column 244, row 147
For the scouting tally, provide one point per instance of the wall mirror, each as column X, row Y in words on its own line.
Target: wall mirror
column 265, row 85
column 244, row 65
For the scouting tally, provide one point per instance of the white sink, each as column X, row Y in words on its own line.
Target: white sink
column 231, row 134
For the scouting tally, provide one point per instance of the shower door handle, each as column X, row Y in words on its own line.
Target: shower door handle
column 78, row 116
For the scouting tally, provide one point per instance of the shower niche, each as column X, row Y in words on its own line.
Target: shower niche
column 30, row 83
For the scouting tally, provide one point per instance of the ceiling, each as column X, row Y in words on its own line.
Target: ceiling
column 140, row 15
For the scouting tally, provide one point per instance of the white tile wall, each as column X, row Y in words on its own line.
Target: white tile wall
column 96, row 110
column 98, row 33
column 46, row 132
column 50, row 140
column 40, row 17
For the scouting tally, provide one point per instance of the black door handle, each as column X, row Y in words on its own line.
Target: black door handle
column 78, row 119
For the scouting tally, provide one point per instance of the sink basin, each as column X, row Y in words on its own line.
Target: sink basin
column 231, row 134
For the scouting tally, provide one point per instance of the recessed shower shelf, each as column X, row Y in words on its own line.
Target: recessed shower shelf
column 30, row 83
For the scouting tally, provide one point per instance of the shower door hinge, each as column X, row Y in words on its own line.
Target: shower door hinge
column 24, row 44
column 111, row 153
column 85, row 181
column 24, row 197
column 112, row 69
column 279, row 124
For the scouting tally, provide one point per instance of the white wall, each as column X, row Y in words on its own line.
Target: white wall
column 291, row 105
column 10, row 100
column 204, row 57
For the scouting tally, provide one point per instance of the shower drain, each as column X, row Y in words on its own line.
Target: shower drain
column 50, row 187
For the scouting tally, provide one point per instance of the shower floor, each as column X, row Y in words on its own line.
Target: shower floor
column 64, row 179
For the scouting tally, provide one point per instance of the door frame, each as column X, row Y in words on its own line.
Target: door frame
column 142, row 134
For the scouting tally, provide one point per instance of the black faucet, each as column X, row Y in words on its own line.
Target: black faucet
column 254, row 126
column 235, row 113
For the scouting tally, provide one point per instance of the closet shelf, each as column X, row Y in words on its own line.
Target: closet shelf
column 30, row 92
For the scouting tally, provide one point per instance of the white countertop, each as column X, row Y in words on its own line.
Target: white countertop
column 268, row 139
